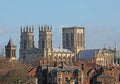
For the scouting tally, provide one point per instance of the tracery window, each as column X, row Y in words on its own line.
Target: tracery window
column 25, row 44
column 43, row 44
column 67, row 39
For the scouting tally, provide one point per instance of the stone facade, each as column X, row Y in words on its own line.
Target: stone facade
column 10, row 50
column 103, row 57
column 74, row 36
column 74, row 39
column 28, row 53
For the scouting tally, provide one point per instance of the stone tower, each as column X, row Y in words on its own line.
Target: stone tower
column 26, row 42
column 10, row 50
column 27, row 38
column 73, row 38
column 116, row 54
column 45, row 39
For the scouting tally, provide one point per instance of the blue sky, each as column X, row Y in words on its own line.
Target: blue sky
column 99, row 17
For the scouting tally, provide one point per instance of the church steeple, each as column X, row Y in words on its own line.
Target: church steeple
column 10, row 50
column 10, row 43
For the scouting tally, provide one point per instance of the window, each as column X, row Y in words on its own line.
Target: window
column 49, row 44
column 78, row 39
column 67, row 39
column 66, row 79
column 72, row 39
column 24, row 57
column 43, row 44
column 59, row 79
column 25, row 44
column 77, row 79
column 81, row 38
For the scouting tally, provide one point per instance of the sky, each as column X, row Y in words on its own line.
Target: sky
column 99, row 17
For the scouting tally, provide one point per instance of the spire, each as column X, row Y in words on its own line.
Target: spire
column 32, row 28
column 50, row 28
column 45, row 27
column 116, row 49
column 41, row 27
column 10, row 43
column 24, row 29
column 27, row 28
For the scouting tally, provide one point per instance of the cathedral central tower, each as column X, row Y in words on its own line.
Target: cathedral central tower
column 73, row 39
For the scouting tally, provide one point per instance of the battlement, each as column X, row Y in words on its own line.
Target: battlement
column 27, row 29
column 45, row 28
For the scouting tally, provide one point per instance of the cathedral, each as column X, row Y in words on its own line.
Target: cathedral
column 73, row 40
column 73, row 47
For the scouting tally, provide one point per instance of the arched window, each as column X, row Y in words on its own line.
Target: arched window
column 48, row 43
column 81, row 38
column 78, row 39
column 25, row 44
column 67, row 39
column 24, row 57
column 72, row 39
column 43, row 44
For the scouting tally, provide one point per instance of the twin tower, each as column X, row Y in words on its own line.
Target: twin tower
column 73, row 40
column 27, row 38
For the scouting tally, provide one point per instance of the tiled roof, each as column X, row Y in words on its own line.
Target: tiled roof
column 88, row 53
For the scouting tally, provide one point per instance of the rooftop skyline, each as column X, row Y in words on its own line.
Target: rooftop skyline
column 100, row 19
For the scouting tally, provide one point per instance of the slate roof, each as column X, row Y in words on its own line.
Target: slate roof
column 66, row 68
column 88, row 53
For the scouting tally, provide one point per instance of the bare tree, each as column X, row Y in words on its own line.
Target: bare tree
column 14, row 73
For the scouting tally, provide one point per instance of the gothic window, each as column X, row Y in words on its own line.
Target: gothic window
column 43, row 44
column 78, row 39
column 48, row 43
column 25, row 44
column 72, row 40
column 11, row 52
column 14, row 52
column 81, row 38
column 8, row 53
column 67, row 39
column 24, row 57
column 59, row 80
column 30, row 43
